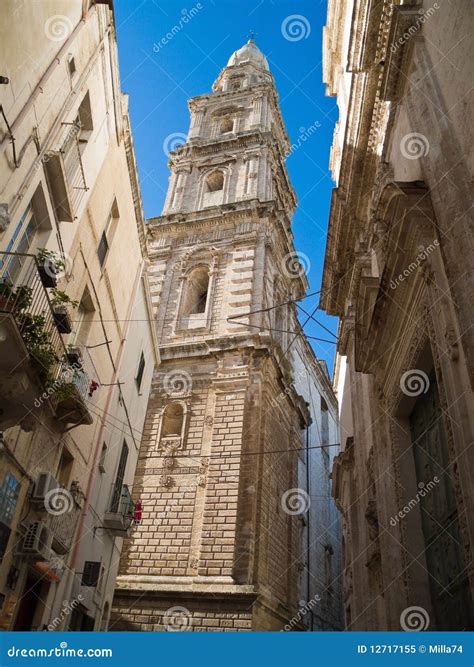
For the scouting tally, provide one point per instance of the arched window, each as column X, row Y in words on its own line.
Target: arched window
column 213, row 188
column 173, row 418
column 196, row 291
column 215, row 181
column 227, row 125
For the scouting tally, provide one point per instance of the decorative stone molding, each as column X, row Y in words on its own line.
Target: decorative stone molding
column 170, row 445
column 167, row 481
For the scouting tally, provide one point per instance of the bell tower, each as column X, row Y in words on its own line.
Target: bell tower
column 216, row 548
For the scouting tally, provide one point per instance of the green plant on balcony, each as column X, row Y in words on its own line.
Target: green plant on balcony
column 61, row 302
column 38, row 343
column 60, row 298
column 23, row 297
column 50, row 263
column 12, row 299
column 65, row 390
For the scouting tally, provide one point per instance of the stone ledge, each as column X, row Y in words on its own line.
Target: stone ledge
column 175, row 585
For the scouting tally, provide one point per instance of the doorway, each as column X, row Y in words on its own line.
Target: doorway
column 31, row 603
column 449, row 584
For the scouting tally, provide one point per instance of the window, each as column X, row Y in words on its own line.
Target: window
column 108, row 234
column 103, row 454
column 118, row 484
column 22, row 239
column 141, row 368
column 103, row 248
column 235, row 84
column 90, row 576
column 71, row 65
column 173, row 418
column 31, row 232
column 227, row 125
column 196, row 291
column 9, row 490
column 215, row 181
column 80, row 620
column 213, row 189
column 65, row 468
column 83, row 318
column 84, row 119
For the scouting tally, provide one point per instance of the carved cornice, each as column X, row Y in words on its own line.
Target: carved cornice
column 367, row 129
column 409, row 218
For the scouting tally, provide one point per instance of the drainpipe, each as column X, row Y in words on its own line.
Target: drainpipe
column 38, row 89
column 98, row 447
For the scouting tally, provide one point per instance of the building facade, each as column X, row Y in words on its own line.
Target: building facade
column 77, row 350
column 220, row 545
column 399, row 274
column 320, row 584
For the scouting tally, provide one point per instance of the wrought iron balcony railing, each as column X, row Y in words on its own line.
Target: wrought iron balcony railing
column 24, row 297
column 63, row 527
column 119, row 516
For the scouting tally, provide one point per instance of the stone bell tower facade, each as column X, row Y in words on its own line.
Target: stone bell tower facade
column 218, row 546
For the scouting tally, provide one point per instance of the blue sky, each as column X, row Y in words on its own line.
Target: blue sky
column 160, row 78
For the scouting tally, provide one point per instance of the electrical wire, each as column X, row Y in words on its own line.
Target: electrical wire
column 198, row 456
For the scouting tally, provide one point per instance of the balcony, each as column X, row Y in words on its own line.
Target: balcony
column 75, row 394
column 63, row 528
column 34, row 362
column 119, row 517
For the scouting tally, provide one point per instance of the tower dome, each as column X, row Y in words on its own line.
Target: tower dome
column 249, row 53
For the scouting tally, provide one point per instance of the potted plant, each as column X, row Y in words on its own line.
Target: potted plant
column 38, row 343
column 50, row 264
column 74, row 357
column 7, row 296
column 60, row 302
column 23, row 297
column 65, row 391
column 11, row 299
